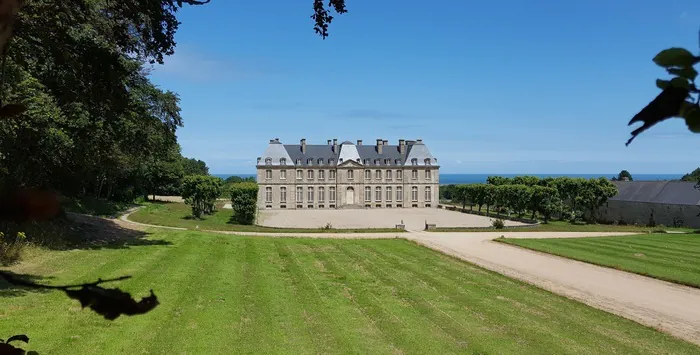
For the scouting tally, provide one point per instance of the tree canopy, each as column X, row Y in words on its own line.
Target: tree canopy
column 624, row 175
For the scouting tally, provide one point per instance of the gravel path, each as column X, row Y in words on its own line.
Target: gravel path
column 665, row 306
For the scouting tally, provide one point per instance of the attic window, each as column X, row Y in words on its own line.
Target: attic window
column 414, row 161
column 268, row 161
column 387, row 161
column 376, row 161
column 358, row 160
column 320, row 161
column 340, row 160
column 283, row 161
column 298, row 161
column 309, row 161
column 330, row 161
column 427, row 161
column 397, row 161
column 366, row 161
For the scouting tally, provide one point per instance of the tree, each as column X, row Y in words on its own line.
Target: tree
column 200, row 192
column 526, row 180
column 193, row 166
column 679, row 96
column 595, row 193
column 498, row 180
column 244, row 200
column 692, row 176
column 624, row 175
column 478, row 194
column 543, row 199
column 489, row 196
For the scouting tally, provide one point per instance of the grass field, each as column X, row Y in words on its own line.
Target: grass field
column 671, row 257
column 222, row 294
column 179, row 215
column 563, row 226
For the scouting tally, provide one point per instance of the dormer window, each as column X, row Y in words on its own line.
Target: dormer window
column 387, row 161
column 366, row 161
column 259, row 160
column 320, row 161
column 331, row 161
column 298, row 161
column 358, row 160
column 427, row 161
column 283, row 161
column 268, row 161
column 397, row 161
column 309, row 161
column 376, row 161
column 340, row 160
column 414, row 161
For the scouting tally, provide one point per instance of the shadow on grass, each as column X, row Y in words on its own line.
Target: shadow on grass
column 81, row 232
column 9, row 290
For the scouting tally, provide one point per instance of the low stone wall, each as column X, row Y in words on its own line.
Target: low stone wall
column 644, row 213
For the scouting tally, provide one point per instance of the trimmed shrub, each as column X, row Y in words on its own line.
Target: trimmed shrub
column 200, row 192
column 244, row 200
column 498, row 223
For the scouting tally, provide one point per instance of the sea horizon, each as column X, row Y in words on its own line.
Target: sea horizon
column 447, row 179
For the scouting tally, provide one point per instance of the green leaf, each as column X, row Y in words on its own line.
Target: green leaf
column 691, row 114
column 686, row 72
column 675, row 57
column 662, row 84
column 680, row 83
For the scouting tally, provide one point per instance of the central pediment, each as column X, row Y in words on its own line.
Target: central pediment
column 350, row 164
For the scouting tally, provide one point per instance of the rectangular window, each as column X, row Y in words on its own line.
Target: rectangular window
column 428, row 194
column 321, row 194
column 283, row 174
column 414, row 193
column 388, row 193
column 310, row 195
column 331, row 174
column 310, row 174
column 268, row 194
column 378, row 193
column 399, row 174
column 378, row 174
column 321, row 174
column 414, row 174
column 331, row 195
column 368, row 174
column 300, row 174
column 388, row 174
column 428, row 174
column 300, row 194
column 351, row 174
column 268, row 174
column 368, row 193
column 399, row 194
column 283, row 194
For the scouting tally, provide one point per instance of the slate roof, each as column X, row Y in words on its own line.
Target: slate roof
column 348, row 150
column 664, row 192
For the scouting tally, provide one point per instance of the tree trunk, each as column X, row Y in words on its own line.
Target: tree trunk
column 487, row 210
column 533, row 215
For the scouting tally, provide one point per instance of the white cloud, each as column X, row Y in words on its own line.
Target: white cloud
column 192, row 64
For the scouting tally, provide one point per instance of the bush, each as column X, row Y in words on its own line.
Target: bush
column 498, row 223
column 244, row 201
column 11, row 249
column 200, row 192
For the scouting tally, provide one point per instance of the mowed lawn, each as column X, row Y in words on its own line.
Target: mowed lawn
column 671, row 257
column 222, row 294
column 564, row 226
column 180, row 215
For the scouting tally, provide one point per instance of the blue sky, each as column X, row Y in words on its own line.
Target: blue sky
column 491, row 87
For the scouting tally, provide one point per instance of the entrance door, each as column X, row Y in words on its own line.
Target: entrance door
column 349, row 196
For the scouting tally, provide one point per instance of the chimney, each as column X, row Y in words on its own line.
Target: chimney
column 335, row 145
column 402, row 146
column 359, row 142
column 303, row 146
column 329, row 142
column 379, row 145
column 385, row 142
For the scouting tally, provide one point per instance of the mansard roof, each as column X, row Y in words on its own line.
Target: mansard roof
column 330, row 154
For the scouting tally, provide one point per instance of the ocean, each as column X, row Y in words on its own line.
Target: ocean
column 446, row 179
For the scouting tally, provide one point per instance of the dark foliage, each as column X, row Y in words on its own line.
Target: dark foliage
column 666, row 105
column 110, row 303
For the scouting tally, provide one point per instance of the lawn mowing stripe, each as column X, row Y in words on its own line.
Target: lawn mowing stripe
column 656, row 245
column 665, row 272
column 73, row 319
column 403, row 329
column 461, row 338
column 629, row 250
column 171, row 277
column 492, row 300
column 617, row 256
column 483, row 299
column 313, row 304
